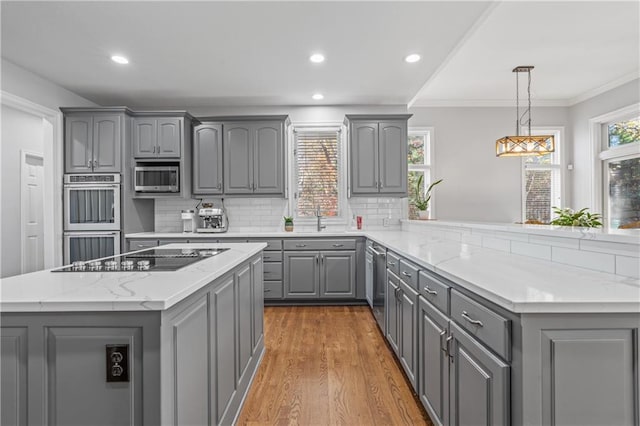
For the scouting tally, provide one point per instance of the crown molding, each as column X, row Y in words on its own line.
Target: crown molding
column 604, row 88
column 486, row 103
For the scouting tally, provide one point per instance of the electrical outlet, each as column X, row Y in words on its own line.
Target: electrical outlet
column 117, row 363
column 386, row 221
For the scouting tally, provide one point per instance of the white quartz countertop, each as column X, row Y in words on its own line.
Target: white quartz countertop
column 517, row 283
column 47, row 291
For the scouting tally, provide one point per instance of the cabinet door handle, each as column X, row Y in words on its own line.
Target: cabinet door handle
column 448, row 351
column 322, row 258
column 89, row 163
column 466, row 316
column 381, row 185
column 95, row 164
column 219, row 186
column 301, row 245
column 406, row 274
column 429, row 291
column 338, row 245
column 317, row 260
column 443, row 346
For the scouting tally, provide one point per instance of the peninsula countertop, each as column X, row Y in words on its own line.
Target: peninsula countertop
column 47, row 291
column 517, row 283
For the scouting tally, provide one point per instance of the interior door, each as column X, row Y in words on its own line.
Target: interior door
column 32, row 212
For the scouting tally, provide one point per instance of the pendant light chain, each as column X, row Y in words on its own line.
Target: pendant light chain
column 529, row 107
column 517, row 105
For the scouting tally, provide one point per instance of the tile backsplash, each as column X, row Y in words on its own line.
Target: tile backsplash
column 265, row 214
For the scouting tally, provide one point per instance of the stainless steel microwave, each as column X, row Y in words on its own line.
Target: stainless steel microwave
column 157, row 179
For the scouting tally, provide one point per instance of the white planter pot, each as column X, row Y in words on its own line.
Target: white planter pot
column 423, row 214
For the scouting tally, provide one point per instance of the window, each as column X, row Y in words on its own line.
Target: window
column 420, row 155
column 620, row 165
column 542, row 181
column 317, row 153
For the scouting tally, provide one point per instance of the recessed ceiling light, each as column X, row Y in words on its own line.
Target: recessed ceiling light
column 316, row 58
column 119, row 59
column 318, row 96
column 414, row 57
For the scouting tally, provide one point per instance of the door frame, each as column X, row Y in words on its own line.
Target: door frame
column 52, row 173
column 24, row 154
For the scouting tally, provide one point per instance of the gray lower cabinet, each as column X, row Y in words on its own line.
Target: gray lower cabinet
column 433, row 362
column 92, row 142
column 207, row 159
column 391, row 310
column 479, row 391
column 408, row 331
column 302, row 274
column 320, row 274
column 189, row 365
column 378, row 154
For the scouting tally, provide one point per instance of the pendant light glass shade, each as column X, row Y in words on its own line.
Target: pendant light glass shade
column 516, row 146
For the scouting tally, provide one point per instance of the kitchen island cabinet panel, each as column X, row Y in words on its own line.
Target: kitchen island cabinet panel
column 244, row 321
column 13, row 376
column 77, row 392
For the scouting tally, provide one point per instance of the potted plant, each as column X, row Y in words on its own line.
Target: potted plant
column 422, row 201
column 288, row 223
column 568, row 217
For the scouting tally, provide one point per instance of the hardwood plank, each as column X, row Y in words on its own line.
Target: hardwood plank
column 328, row 365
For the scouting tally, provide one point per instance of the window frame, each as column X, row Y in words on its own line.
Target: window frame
column 601, row 155
column 429, row 133
column 343, row 205
column 557, row 163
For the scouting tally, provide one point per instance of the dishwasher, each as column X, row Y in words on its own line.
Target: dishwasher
column 375, row 278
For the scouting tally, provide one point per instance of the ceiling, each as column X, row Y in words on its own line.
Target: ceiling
column 256, row 53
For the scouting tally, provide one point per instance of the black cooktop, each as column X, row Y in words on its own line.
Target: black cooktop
column 154, row 259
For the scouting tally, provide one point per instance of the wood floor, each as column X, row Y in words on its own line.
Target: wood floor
column 328, row 366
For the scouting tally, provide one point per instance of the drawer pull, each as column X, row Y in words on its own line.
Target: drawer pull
column 267, row 290
column 266, row 257
column 406, row 274
column 429, row 291
column 338, row 245
column 471, row 320
column 391, row 263
column 301, row 245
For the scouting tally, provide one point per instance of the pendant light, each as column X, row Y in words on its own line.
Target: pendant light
column 512, row 146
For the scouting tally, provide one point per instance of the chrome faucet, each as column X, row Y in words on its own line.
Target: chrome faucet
column 319, row 216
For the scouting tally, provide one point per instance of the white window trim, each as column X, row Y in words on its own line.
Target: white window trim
column 599, row 154
column 342, row 171
column 561, row 165
column 422, row 130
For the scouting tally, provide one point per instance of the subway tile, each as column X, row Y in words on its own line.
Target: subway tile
column 628, row 266
column 632, row 250
column 571, row 243
column 496, row 243
column 584, row 259
column 538, row 251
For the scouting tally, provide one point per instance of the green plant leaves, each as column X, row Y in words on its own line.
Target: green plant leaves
column 569, row 217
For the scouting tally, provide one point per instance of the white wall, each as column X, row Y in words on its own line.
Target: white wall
column 477, row 185
column 26, row 131
column 579, row 115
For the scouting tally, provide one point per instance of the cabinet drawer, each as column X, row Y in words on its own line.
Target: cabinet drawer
column 272, row 245
column 409, row 274
column 393, row 262
column 273, row 289
column 434, row 290
column 272, row 271
column 320, row 244
column 174, row 241
column 272, row 256
column 487, row 326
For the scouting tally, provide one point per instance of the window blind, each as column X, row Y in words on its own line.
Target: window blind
column 316, row 155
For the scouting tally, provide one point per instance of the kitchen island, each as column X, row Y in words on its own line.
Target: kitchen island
column 134, row 347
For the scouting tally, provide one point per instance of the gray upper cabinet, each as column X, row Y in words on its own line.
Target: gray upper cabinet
column 254, row 157
column 93, row 143
column 238, row 158
column 207, row 159
column 157, row 137
column 378, row 154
